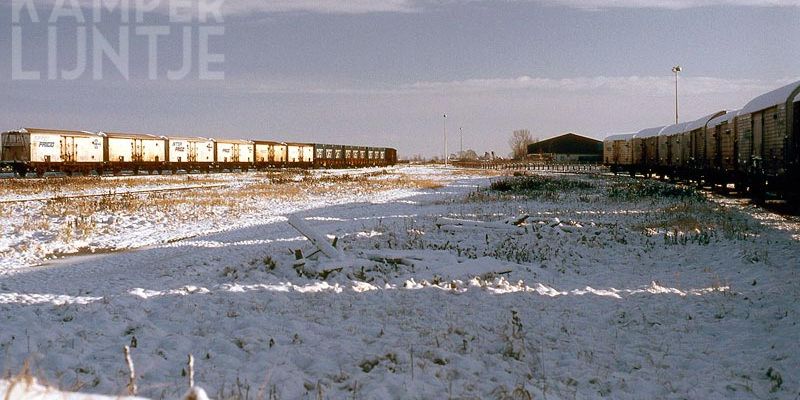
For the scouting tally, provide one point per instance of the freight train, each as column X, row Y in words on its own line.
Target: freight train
column 755, row 148
column 50, row 150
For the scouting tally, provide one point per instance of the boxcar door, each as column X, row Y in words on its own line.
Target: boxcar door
column 137, row 150
column 758, row 134
column 235, row 155
column 795, row 138
column 68, row 149
column 191, row 149
column 717, row 136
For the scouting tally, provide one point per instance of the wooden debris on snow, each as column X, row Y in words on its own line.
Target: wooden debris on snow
column 315, row 237
column 454, row 224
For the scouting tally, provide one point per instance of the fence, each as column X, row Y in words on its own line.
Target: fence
column 532, row 166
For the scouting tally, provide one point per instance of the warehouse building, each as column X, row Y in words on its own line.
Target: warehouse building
column 568, row 147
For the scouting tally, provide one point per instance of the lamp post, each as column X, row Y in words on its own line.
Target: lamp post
column 445, row 139
column 461, row 149
column 675, row 70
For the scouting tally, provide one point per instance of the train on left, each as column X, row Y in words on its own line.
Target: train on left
column 38, row 151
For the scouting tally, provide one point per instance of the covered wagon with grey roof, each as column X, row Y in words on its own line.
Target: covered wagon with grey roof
column 43, row 150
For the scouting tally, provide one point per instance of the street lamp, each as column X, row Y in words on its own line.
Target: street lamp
column 445, row 139
column 675, row 70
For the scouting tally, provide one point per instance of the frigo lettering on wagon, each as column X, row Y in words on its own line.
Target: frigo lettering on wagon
column 52, row 150
column 77, row 39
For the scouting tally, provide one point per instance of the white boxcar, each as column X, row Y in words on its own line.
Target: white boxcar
column 33, row 145
column 191, row 150
column 300, row 152
column 234, row 151
column 135, row 148
column 270, row 152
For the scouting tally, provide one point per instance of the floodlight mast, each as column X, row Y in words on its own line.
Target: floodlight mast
column 675, row 70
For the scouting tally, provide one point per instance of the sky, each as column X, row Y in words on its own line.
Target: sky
column 383, row 72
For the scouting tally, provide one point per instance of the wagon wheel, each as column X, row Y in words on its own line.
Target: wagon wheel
column 21, row 170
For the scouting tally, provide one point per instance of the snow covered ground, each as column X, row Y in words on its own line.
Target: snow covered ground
column 46, row 219
column 612, row 288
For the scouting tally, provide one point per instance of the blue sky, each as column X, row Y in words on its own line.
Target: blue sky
column 382, row 72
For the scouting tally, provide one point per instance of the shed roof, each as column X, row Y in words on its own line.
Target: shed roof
column 649, row 132
column 773, row 98
column 568, row 143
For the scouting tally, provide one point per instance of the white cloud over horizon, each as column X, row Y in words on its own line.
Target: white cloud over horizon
column 623, row 85
column 244, row 7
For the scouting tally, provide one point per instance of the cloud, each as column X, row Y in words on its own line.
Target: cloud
column 321, row 6
column 244, row 7
column 665, row 4
column 649, row 85
column 628, row 86
column 369, row 6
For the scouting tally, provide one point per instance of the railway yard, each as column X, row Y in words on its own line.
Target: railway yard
column 452, row 283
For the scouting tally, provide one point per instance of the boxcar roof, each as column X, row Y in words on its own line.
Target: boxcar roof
column 728, row 117
column 622, row 136
column 649, row 132
column 268, row 142
column 57, row 131
column 237, row 141
column 701, row 122
column 298, row 144
column 195, row 138
column 770, row 99
column 131, row 135
column 673, row 129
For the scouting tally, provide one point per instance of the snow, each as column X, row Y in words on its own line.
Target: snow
column 770, row 99
column 603, row 292
column 39, row 226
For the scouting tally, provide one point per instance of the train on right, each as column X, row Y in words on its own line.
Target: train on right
column 755, row 148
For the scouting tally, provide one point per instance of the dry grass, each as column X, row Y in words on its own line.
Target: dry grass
column 72, row 184
column 83, row 217
column 697, row 220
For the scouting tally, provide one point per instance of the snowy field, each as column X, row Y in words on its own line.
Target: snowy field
column 440, row 288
